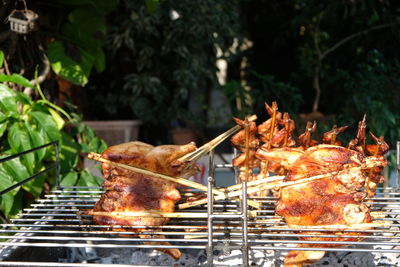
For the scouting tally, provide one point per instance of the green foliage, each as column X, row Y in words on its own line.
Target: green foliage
column 76, row 72
column 79, row 46
column 374, row 90
column 264, row 88
column 268, row 89
column 151, row 5
column 286, row 35
column 1, row 58
column 165, row 59
column 26, row 124
column 240, row 98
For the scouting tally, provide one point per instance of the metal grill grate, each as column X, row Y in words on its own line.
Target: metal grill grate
column 57, row 221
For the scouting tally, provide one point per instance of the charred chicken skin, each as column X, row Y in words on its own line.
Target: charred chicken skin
column 336, row 200
column 353, row 174
column 127, row 191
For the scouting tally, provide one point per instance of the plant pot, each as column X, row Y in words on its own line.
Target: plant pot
column 183, row 136
column 116, row 132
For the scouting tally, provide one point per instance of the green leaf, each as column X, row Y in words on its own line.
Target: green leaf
column 57, row 118
column 103, row 6
column 7, row 199
column 66, row 67
column 8, row 101
column 47, row 124
column 19, row 171
column 87, row 20
column 3, row 127
column 69, row 153
column 96, row 145
column 69, row 179
column 16, row 169
column 23, row 98
column 15, row 78
column 19, row 140
column 35, row 186
column 151, row 5
column 100, row 62
column 17, row 204
column 1, row 58
column 88, row 179
column 37, row 139
column 373, row 18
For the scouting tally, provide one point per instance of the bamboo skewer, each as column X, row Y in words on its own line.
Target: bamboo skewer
column 255, row 182
column 211, row 144
column 177, row 180
column 229, row 194
column 157, row 214
column 316, row 177
column 267, row 185
column 377, row 214
column 207, row 147
column 333, row 227
column 306, row 180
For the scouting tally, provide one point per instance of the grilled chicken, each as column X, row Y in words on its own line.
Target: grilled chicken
column 305, row 139
column 330, row 137
column 127, row 191
column 329, row 201
column 239, row 142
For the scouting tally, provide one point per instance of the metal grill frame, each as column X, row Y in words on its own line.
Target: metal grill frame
column 226, row 225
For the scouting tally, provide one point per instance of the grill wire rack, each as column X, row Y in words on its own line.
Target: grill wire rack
column 39, row 235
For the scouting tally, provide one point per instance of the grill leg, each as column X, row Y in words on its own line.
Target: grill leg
column 398, row 165
column 210, row 208
column 245, row 248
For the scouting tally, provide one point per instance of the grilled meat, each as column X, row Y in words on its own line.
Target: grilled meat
column 127, row 191
column 328, row 201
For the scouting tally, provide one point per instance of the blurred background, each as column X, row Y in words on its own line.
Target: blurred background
column 195, row 64
column 154, row 70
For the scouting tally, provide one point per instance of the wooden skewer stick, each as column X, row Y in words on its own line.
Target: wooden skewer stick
column 264, row 186
column 211, row 144
column 255, row 182
column 356, row 226
column 377, row 214
column 229, row 194
column 309, row 179
column 156, row 214
column 207, row 147
column 195, row 236
column 177, row 180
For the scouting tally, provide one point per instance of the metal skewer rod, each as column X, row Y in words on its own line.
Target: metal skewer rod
column 210, row 209
column 245, row 247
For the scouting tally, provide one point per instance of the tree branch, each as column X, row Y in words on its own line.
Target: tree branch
column 322, row 55
column 354, row 35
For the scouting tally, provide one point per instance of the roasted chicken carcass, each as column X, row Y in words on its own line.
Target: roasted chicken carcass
column 335, row 200
column 127, row 191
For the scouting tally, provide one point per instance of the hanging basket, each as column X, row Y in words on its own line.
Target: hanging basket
column 23, row 21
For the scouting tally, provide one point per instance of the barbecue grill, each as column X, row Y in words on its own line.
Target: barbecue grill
column 55, row 230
